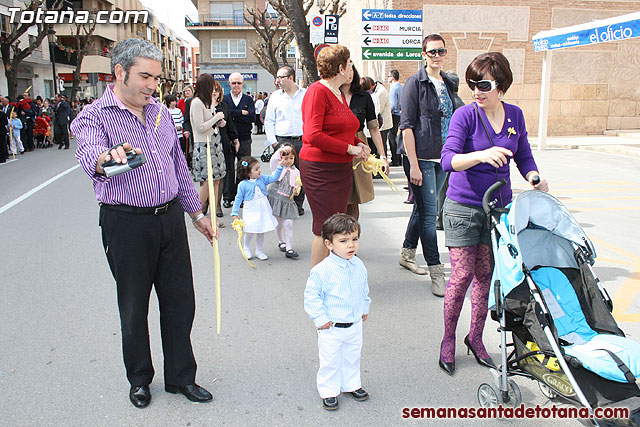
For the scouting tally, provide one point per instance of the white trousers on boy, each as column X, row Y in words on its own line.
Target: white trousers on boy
column 339, row 351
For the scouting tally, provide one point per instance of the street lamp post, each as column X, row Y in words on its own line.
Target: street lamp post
column 51, row 35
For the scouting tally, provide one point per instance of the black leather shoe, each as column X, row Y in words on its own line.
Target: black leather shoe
column 193, row 392
column 487, row 362
column 140, row 396
column 226, row 204
column 449, row 368
column 291, row 254
column 360, row 394
column 330, row 403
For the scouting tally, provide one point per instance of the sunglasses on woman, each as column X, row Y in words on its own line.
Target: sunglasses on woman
column 483, row 86
column 433, row 52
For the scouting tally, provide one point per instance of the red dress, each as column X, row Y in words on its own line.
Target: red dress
column 329, row 127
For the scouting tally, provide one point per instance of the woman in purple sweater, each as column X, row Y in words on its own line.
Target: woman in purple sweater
column 476, row 162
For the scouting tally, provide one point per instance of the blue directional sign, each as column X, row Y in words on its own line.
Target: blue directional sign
column 391, row 35
column 391, row 15
column 607, row 30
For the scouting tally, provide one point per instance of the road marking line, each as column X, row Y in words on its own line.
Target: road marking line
column 595, row 190
column 615, row 261
column 597, row 199
column 578, row 210
column 628, row 291
column 35, row 190
column 582, row 184
column 8, row 161
column 624, row 298
column 614, row 248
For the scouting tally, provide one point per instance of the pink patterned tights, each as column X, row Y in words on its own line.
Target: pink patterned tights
column 468, row 264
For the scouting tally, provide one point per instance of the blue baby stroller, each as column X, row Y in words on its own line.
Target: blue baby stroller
column 546, row 294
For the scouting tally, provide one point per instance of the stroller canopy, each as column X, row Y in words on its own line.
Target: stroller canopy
column 537, row 231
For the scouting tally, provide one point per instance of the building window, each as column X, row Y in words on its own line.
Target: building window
column 291, row 52
column 271, row 12
column 4, row 24
column 228, row 49
column 227, row 11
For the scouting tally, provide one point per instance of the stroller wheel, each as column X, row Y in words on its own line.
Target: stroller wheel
column 489, row 396
column 515, row 396
column 547, row 391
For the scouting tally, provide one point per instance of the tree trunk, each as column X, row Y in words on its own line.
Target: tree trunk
column 300, row 28
column 12, row 81
column 76, row 72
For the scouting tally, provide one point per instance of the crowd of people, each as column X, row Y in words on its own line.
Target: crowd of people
column 27, row 124
column 450, row 153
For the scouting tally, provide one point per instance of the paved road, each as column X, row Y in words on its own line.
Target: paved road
column 60, row 362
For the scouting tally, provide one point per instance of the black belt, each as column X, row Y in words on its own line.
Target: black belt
column 290, row 138
column 157, row 210
column 343, row 325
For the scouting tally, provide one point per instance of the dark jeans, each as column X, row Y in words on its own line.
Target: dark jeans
column 443, row 195
column 61, row 135
column 146, row 251
column 422, row 224
column 396, row 158
column 297, row 144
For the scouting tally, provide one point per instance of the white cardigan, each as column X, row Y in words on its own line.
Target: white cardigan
column 202, row 120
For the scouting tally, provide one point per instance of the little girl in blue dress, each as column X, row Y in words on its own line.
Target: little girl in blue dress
column 256, row 212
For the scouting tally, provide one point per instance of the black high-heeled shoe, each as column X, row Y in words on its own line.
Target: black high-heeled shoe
column 487, row 362
column 449, row 368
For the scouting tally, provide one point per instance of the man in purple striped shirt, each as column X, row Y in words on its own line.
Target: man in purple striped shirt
column 143, row 228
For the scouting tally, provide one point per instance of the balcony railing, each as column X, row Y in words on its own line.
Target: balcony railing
column 217, row 20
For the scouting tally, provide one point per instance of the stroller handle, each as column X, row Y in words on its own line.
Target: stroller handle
column 487, row 194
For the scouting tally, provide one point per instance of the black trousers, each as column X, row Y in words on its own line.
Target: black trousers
column 374, row 149
column 27, row 135
column 231, row 186
column 4, row 150
column 61, row 135
column 143, row 251
column 396, row 158
column 229, row 181
column 297, row 144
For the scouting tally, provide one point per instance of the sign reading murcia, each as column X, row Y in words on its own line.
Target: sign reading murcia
column 391, row 34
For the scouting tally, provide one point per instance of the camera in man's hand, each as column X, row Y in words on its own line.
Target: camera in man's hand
column 134, row 160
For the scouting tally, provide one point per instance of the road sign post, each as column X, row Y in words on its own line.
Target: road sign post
column 391, row 35
column 316, row 29
column 331, row 28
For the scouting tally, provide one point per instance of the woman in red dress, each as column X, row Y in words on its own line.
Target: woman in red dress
column 329, row 143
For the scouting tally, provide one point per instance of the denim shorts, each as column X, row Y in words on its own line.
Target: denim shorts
column 464, row 225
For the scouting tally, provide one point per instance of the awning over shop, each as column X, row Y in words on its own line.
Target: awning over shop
column 614, row 29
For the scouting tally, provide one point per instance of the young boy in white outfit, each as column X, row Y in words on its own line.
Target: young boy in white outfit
column 337, row 300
